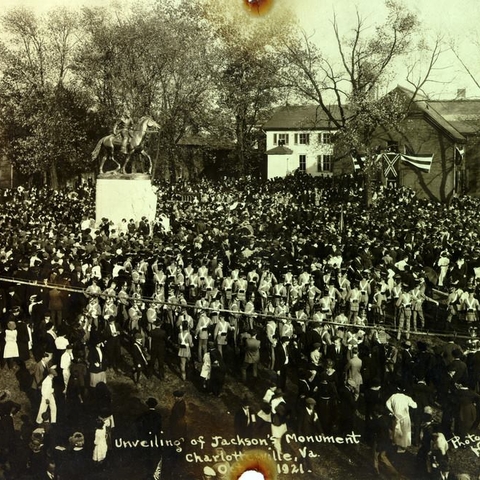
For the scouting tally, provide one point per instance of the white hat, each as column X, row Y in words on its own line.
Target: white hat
column 209, row 472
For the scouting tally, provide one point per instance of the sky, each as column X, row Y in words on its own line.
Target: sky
column 455, row 20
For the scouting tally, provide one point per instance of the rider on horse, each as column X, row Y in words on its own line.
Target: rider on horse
column 122, row 129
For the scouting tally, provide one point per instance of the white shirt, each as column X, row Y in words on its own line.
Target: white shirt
column 66, row 360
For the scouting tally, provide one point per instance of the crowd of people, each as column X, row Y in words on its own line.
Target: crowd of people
column 293, row 277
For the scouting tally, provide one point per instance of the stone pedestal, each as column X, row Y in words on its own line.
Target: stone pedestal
column 125, row 196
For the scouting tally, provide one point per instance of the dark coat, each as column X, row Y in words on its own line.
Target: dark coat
column 139, row 359
column 149, row 424
column 242, row 423
column 308, row 423
column 177, row 422
column 95, row 364
column 158, row 341
column 23, row 338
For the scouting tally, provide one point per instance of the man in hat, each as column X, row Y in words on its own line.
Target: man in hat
column 308, row 421
column 50, row 336
column 158, row 341
column 149, row 423
column 48, row 398
column 112, row 337
column 244, row 420
column 177, row 423
column 138, row 357
column 39, row 374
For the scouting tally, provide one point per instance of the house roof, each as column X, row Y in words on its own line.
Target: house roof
column 300, row 117
column 463, row 115
column 280, row 150
column 457, row 118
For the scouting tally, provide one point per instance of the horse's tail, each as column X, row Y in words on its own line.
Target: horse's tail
column 97, row 149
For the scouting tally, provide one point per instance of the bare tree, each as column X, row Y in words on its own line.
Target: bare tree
column 347, row 87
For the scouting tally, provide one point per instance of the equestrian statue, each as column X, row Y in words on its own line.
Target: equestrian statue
column 127, row 137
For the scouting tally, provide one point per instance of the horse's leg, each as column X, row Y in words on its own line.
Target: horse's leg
column 111, row 151
column 102, row 163
column 127, row 159
column 150, row 165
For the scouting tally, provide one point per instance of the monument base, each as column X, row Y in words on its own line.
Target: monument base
column 125, row 196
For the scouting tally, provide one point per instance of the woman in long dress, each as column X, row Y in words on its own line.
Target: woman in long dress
column 10, row 352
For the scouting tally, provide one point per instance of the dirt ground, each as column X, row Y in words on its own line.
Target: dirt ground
column 211, row 417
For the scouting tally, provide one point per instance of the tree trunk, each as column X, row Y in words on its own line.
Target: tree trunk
column 240, row 145
column 368, row 189
column 53, row 175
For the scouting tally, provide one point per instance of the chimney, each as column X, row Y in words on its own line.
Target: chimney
column 461, row 94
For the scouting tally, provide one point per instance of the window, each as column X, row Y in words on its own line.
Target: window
column 280, row 138
column 324, row 163
column 302, row 138
column 302, row 163
column 326, row 138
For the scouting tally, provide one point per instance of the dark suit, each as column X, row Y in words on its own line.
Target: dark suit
column 281, row 364
column 149, row 425
column 139, row 361
column 158, row 338
column 448, row 348
column 50, row 343
column 458, row 371
column 96, row 364
column 243, row 423
column 308, row 422
column 339, row 358
column 113, row 353
column 177, row 421
column 40, row 372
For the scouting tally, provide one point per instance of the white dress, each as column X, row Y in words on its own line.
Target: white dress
column 101, row 447
column 11, row 347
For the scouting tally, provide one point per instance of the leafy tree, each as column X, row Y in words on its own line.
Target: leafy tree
column 43, row 114
column 245, row 72
column 150, row 60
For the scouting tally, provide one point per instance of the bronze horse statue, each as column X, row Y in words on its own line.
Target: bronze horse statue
column 106, row 145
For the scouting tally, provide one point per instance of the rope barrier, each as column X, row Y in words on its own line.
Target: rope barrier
column 393, row 329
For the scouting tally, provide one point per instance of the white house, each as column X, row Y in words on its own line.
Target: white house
column 299, row 137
